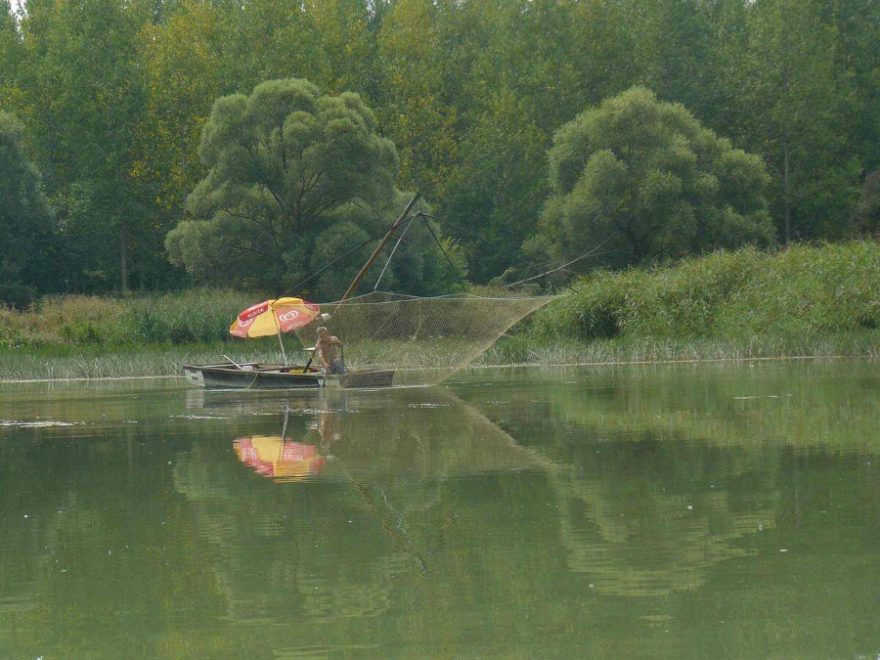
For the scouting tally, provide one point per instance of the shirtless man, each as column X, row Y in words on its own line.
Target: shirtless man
column 329, row 351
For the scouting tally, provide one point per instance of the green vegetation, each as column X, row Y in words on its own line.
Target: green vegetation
column 190, row 317
column 295, row 179
column 116, row 96
column 804, row 301
column 25, row 217
column 801, row 301
column 639, row 181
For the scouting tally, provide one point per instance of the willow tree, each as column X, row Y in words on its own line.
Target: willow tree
column 640, row 180
column 287, row 168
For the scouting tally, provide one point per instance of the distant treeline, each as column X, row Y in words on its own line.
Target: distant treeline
column 112, row 97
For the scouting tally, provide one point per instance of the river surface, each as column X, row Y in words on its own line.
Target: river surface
column 669, row 511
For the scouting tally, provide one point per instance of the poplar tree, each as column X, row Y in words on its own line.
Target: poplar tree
column 25, row 218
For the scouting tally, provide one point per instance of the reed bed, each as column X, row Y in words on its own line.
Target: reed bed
column 187, row 317
column 96, row 362
column 525, row 349
column 802, row 300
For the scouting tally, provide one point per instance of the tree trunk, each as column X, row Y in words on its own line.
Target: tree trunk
column 123, row 257
column 786, row 191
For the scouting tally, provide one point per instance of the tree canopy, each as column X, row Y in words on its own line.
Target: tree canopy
column 640, row 180
column 114, row 96
column 283, row 163
column 25, row 218
column 295, row 179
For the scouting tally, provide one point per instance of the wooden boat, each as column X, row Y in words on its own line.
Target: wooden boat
column 253, row 375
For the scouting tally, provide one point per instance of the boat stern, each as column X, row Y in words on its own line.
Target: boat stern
column 194, row 375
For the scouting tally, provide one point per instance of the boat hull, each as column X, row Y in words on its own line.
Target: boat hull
column 371, row 378
column 277, row 377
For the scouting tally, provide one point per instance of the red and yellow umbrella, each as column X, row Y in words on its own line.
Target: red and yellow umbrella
column 272, row 317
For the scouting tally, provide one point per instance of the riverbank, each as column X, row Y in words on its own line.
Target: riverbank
column 803, row 302
column 524, row 350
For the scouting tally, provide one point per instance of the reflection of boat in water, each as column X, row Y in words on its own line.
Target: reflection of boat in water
column 276, row 457
column 373, row 434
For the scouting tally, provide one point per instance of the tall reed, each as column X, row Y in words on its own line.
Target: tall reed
column 187, row 317
column 799, row 295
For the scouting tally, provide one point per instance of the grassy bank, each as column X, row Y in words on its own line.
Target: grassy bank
column 804, row 301
column 73, row 362
column 64, row 337
column 183, row 318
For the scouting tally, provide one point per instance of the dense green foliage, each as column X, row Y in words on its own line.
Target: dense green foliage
column 114, row 96
column 643, row 180
column 286, row 169
column 25, row 218
column 803, row 292
column 295, row 180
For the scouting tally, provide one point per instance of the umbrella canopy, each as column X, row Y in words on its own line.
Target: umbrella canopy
column 272, row 317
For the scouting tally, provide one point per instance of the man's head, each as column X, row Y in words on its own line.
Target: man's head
column 322, row 331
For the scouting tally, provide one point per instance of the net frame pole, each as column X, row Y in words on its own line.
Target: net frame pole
column 382, row 243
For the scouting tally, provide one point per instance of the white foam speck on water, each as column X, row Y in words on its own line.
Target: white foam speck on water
column 199, row 417
column 427, row 405
column 763, row 396
column 36, row 424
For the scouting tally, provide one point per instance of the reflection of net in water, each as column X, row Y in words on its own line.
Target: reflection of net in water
column 425, row 340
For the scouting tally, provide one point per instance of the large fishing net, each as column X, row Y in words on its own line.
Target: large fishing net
column 423, row 340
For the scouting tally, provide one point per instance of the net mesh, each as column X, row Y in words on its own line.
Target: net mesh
column 424, row 340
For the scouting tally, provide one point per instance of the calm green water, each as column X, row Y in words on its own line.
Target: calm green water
column 679, row 511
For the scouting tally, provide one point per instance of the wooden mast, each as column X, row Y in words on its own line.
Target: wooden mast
column 382, row 243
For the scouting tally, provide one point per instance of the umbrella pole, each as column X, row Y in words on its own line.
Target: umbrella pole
column 278, row 330
column 281, row 344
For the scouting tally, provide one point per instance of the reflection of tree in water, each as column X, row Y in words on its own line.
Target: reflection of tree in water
column 644, row 444
column 802, row 405
column 82, row 562
column 647, row 514
column 267, row 543
column 639, row 534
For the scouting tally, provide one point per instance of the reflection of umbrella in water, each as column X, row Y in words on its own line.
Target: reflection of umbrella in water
column 272, row 317
column 273, row 456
